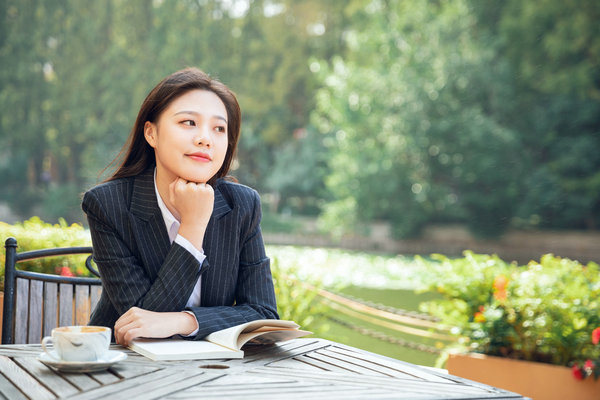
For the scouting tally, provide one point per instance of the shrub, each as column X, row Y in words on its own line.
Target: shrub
column 35, row 234
column 544, row 311
column 297, row 300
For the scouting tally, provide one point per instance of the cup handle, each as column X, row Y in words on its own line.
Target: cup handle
column 46, row 340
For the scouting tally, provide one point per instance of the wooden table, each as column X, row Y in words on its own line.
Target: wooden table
column 298, row 369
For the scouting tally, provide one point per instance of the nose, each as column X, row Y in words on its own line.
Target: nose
column 202, row 137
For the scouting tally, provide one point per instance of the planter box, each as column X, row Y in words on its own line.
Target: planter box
column 536, row 380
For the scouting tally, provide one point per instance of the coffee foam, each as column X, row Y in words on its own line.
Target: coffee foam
column 81, row 329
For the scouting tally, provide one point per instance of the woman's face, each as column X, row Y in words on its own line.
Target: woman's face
column 189, row 137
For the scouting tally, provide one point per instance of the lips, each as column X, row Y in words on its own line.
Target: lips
column 199, row 156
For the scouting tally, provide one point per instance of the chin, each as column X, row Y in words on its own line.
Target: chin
column 198, row 178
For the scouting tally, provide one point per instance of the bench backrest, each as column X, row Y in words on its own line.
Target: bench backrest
column 35, row 303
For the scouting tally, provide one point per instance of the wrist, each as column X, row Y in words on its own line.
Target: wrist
column 193, row 234
column 189, row 323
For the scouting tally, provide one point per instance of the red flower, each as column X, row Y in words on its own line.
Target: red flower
column 589, row 366
column 65, row 271
column 596, row 336
column 577, row 372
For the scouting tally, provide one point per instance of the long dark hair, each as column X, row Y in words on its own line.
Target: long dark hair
column 137, row 155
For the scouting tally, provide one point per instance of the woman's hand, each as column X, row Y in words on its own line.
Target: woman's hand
column 194, row 204
column 137, row 322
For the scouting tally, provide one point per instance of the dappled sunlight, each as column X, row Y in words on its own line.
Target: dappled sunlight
column 335, row 267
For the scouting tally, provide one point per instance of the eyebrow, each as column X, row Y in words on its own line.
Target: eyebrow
column 217, row 116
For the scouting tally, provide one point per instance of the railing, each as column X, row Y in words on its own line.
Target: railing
column 421, row 326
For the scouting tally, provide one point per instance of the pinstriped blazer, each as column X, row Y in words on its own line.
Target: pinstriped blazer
column 140, row 267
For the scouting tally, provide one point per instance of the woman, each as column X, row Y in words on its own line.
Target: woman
column 179, row 248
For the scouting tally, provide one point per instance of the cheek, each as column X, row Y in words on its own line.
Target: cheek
column 222, row 146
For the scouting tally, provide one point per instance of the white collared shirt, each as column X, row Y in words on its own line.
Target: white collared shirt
column 172, row 225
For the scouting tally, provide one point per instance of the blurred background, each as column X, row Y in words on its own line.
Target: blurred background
column 367, row 124
column 481, row 113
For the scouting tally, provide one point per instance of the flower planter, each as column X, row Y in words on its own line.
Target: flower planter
column 536, row 380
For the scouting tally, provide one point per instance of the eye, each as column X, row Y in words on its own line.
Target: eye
column 221, row 129
column 188, row 122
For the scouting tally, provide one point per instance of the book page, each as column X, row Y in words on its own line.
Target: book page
column 269, row 336
column 229, row 337
column 179, row 349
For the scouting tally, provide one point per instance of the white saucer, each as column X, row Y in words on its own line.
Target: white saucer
column 111, row 357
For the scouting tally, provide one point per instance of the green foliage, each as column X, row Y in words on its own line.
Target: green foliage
column 35, row 234
column 298, row 300
column 413, row 142
column 438, row 114
column 272, row 222
column 477, row 112
column 298, row 173
column 70, row 87
column 544, row 311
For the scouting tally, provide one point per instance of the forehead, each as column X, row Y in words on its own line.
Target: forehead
column 198, row 101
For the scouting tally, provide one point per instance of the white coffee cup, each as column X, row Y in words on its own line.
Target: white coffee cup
column 78, row 343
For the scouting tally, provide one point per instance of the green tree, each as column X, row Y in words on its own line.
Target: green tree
column 553, row 49
column 435, row 119
column 74, row 75
column 415, row 143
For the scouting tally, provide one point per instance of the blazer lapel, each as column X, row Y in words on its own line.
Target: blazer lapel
column 147, row 223
column 221, row 207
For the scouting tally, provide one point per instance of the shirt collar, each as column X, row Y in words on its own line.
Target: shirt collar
column 171, row 223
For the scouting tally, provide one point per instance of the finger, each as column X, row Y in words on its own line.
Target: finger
column 123, row 322
column 121, row 334
column 125, row 318
column 132, row 334
column 176, row 187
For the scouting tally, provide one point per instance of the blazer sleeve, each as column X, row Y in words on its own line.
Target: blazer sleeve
column 127, row 282
column 254, row 292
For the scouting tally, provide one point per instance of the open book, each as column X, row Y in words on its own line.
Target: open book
column 226, row 343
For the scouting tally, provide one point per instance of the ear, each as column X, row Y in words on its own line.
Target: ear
column 150, row 133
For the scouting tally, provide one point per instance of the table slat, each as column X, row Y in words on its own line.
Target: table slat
column 23, row 381
column 105, row 377
column 351, row 364
column 9, row 391
column 295, row 363
column 82, row 381
column 320, row 364
column 139, row 384
column 292, row 390
column 130, row 370
column 171, row 387
column 45, row 375
column 392, row 365
column 282, row 351
column 433, row 390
